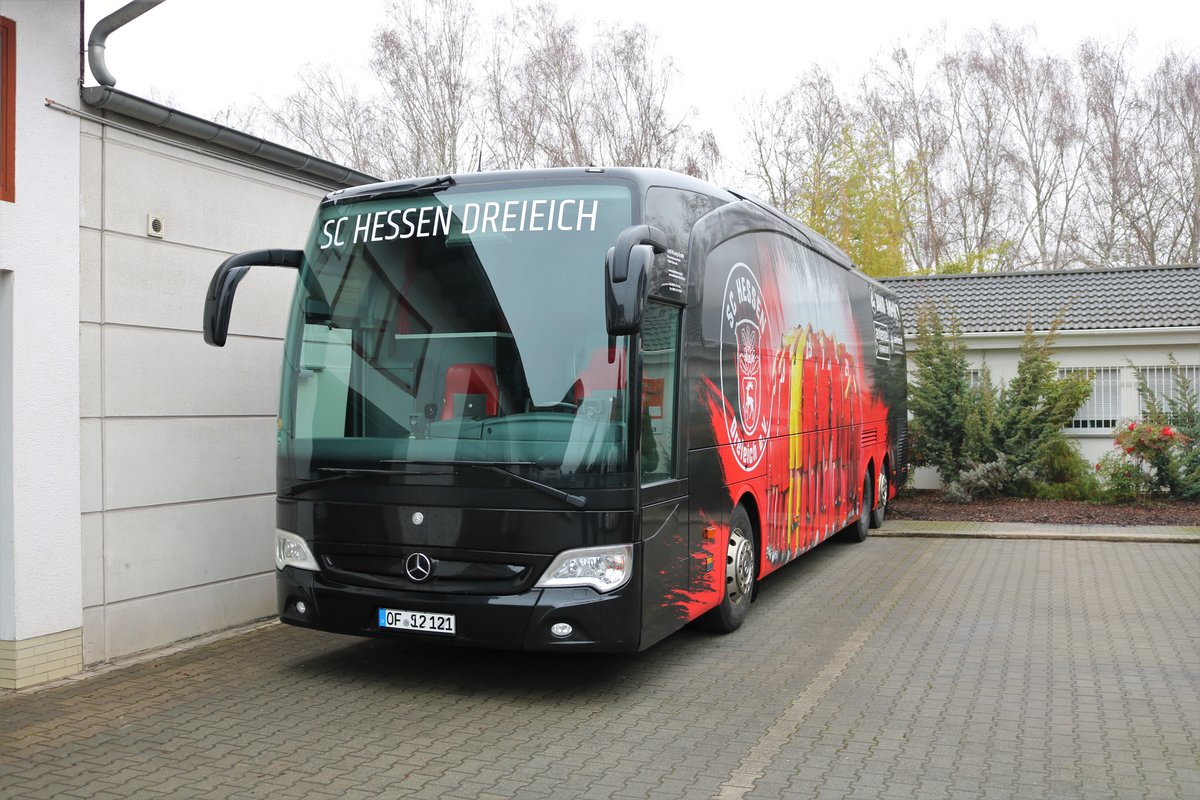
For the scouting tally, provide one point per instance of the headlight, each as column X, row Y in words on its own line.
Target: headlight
column 602, row 568
column 292, row 551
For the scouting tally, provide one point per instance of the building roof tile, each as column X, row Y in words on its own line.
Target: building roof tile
column 1097, row 299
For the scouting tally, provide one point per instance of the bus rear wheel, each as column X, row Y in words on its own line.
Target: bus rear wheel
column 741, row 569
column 880, row 509
column 857, row 532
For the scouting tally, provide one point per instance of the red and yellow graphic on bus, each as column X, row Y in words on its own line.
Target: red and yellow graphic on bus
column 794, row 415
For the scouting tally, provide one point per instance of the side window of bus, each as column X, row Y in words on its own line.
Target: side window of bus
column 674, row 212
column 660, row 368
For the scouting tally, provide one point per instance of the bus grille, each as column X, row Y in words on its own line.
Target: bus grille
column 449, row 575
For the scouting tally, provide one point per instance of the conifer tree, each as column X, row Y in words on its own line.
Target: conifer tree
column 1037, row 405
column 936, row 395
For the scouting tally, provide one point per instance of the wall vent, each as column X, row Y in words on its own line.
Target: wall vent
column 156, row 226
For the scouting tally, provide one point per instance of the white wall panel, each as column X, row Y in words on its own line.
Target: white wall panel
column 225, row 207
column 157, row 461
column 158, row 373
column 89, row 275
column 178, row 443
column 89, row 370
column 91, row 181
column 91, row 465
column 154, row 621
column 93, row 559
column 93, row 635
column 162, row 285
column 154, row 550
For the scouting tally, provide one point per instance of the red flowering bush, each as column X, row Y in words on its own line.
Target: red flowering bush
column 1143, row 462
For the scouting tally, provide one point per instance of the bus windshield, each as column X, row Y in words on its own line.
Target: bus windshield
column 462, row 325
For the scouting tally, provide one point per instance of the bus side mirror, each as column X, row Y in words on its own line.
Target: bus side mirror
column 625, row 270
column 623, row 300
column 218, row 303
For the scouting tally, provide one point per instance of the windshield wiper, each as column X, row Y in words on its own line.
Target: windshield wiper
column 339, row 474
column 440, row 182
column 431, row 185
column 499, row 466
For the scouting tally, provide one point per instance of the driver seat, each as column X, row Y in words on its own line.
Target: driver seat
column 469, row 383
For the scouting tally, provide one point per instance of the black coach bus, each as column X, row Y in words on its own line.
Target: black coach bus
column 569, row 408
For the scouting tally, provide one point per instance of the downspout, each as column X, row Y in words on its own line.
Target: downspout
column 122, row 16
column 108, row 97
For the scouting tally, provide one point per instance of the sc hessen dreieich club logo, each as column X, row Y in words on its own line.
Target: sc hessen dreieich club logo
column 745, row 335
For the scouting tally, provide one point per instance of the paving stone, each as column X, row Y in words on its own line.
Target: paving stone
column 901, row 667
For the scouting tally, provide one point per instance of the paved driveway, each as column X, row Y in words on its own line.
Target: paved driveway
column 895, row 668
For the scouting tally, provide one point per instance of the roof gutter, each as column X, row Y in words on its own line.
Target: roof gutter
column 109, row 98
column 195, row 127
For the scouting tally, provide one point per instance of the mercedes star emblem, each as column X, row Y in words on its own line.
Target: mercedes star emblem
column 419, row 567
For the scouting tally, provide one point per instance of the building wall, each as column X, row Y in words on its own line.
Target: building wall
column 177, row 438
column 39, row 356
column 1147, row 347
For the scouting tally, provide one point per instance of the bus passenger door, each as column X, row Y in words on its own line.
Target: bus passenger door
column 665, row 568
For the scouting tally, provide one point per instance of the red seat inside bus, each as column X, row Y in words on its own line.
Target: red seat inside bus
column 467, row 383
column 605, row 372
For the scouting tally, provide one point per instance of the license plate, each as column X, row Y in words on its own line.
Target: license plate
column 420, row 621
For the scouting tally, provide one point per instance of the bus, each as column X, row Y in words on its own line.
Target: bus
column 568, row 409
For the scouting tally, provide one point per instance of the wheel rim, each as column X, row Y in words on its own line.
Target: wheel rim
column 881, row 491
column 739, row 566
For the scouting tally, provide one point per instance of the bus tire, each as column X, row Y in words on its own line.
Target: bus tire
column 741, row 570
column 858, row 531
column 881, row 493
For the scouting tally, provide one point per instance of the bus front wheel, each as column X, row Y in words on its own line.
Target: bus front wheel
column 741, row 569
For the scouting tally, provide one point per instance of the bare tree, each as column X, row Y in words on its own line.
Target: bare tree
column 1117, row 199
column 548, row 103
column 907, row 108
column 1044, row 142
column 512, row 127
column 630, row 85
column 975, row 180
column 793, row 143
column 551, row 81
column 701, row 156
column 1175, row 88
column 422, row 61
column 327, row 118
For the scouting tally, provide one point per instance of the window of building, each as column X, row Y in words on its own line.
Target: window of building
column 1102, row 410
column 8, row 103
column 1164, row 383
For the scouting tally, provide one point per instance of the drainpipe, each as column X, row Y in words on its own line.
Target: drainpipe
column 107, row 96
column 104, row 27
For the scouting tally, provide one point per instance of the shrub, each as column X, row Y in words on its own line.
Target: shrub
column 1124, row 480
column 989, row 479
column 1150, row 446
column 1082, row 487
column 1060, row 462
column 955, row 494
column 1179, row 465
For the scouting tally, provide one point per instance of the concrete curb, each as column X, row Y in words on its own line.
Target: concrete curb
column 999, row 530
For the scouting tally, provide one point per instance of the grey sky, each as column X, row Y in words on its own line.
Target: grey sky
column 201, row 55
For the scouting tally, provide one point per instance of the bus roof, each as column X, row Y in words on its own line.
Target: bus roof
column 640, row 177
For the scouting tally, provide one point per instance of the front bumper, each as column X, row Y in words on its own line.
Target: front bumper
column 601, row 622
